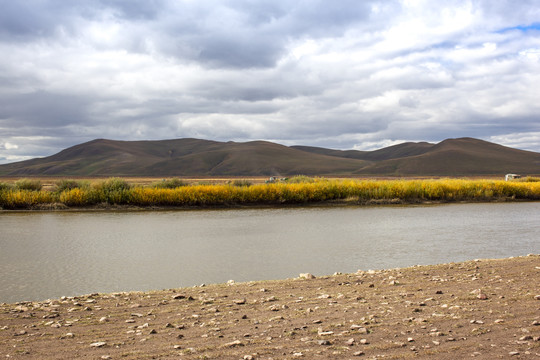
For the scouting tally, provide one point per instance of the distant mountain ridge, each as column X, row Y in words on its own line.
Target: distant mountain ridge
column 195, row 157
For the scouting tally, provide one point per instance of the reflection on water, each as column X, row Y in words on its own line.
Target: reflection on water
column 47, row 255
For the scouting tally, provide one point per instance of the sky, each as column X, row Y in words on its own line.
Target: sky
column 345, row 74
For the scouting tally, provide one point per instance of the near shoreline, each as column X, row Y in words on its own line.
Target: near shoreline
column 480, row 308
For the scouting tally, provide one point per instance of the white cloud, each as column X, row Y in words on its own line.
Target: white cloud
column 357, row 75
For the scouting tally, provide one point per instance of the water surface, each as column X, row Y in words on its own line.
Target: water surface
column 47, row 255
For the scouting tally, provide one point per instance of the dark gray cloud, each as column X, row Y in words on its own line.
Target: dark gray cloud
column 344, row 75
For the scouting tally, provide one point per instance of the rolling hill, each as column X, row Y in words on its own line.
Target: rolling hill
column 194, row 157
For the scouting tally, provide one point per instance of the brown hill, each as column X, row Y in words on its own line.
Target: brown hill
column 460, row 157
column 181, row 157
column 194, row 157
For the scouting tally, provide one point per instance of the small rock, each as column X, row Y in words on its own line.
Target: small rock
column 358, row 353
column 324, row 333
column 20, row 308
column 324, row 342
column 106, row 357
column 410, row 339
column 103, row 319
column 248, row 357
column 537, row 297
column 350, row 342
column 297, row 354
column 364, row 341
column 360, row 329
column 231, row 282
column 306, row 276
column 177, row 347
column 482, row 296
column 178, row 296
column 98, row 344
column 535, row 323
column 513, row 353
column 239, row 301
column 525, row 338
column 234, row 343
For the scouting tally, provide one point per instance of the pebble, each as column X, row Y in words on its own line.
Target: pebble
column 513, row 353
column 98, row 344
column 323, row 333
column 324, row 342
column 358, row 353
column 482, row 296
column 306, row 276
column 234, row 343
column 350, row 342
column 360, row 329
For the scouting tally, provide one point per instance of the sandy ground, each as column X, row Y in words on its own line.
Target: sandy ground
column 487, row 309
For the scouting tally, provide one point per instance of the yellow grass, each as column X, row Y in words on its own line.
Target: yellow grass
column 113, row 191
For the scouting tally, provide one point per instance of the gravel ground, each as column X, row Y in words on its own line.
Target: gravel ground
column 487, row 309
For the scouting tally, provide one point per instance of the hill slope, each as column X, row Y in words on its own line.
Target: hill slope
column 181, row 157
column 194, row 157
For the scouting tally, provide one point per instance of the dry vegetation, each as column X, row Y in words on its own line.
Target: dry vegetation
column 28, row 194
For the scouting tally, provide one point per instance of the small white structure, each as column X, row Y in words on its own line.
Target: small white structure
column 511, row 177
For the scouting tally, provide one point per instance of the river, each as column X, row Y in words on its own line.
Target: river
column 50, row 254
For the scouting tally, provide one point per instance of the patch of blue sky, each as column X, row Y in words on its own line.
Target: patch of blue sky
column 523, row 28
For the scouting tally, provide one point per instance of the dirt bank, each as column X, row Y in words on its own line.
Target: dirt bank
column 485, row 309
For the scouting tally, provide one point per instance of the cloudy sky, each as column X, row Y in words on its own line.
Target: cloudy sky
column 345, row 74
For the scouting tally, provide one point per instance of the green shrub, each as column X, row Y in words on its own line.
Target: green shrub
column 68, row 184
column 300, row 179
column 113, row 185
column 28, row 184
column 113, row 191
column 169, row 184
column 529, row 179
column 241, row 183
column 5, row 186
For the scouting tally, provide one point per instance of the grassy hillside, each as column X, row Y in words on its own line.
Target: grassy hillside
column 460, row 157
column 194, row 157
column 181, row 157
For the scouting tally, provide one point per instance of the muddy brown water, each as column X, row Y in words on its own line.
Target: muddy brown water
column 50, row 254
